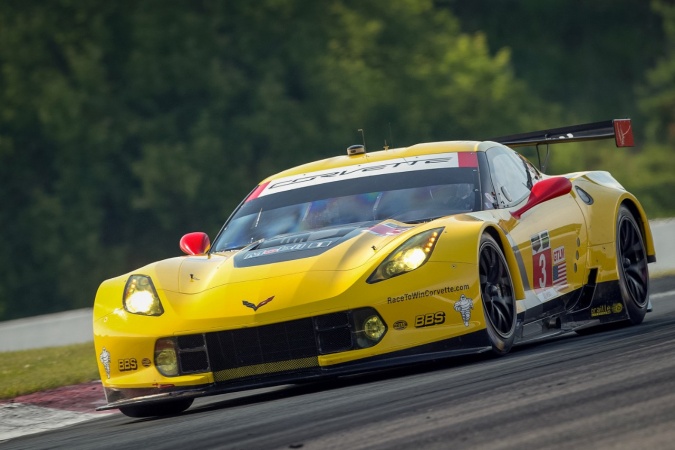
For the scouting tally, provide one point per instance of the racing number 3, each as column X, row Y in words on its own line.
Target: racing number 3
column 542, row 270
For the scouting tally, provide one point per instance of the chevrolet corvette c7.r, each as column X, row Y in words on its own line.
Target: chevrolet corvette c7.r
column 377, row 259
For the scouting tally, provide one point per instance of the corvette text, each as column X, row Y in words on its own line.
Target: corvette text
column 427, row 293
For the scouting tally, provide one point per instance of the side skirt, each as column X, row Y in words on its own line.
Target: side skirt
column 593, row 304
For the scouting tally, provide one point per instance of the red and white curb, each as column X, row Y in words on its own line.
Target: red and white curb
column 56, row 408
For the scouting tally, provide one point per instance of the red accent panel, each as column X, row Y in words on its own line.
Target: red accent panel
column 543, row 191
column 542, row 270
column 468, row 159
column 256, row 192
column 196, row 243
column 623, row 133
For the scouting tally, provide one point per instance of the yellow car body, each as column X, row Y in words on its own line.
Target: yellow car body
column 375, row 291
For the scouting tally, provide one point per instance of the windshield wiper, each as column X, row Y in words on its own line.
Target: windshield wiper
column 426, row 219
column 251, row 246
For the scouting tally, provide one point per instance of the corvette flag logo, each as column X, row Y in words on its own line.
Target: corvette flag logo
column 255, row 307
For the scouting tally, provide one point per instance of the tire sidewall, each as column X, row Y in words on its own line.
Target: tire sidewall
column 636, row 311
column 501, row 343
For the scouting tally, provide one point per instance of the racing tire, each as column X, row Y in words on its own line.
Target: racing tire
column 162, row 409
column 496, row 289
column 631, row 260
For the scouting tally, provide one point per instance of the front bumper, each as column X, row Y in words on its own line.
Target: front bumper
column 471, row 343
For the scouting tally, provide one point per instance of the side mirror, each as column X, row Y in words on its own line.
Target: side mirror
column 544, row 191
column 196, row 243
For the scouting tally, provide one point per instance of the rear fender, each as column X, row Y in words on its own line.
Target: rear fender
column 601, row 214
column 641, row 217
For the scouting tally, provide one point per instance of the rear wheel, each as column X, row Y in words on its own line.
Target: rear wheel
column 157, row 409
column 632, row 262
column 496, row 291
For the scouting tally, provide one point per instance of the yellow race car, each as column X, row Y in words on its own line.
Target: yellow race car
column 376, row 259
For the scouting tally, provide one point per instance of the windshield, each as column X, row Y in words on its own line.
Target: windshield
column 411, row 196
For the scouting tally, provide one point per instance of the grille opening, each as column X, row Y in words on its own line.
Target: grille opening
column 190, row 341
column 194, row 362
column 270, row 350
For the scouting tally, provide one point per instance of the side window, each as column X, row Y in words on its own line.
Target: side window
column 511, row 179
column 535, row 175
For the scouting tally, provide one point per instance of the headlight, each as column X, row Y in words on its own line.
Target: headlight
column 409, row 256
column 140, row 297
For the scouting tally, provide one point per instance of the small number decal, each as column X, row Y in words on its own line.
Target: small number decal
column 542, row 270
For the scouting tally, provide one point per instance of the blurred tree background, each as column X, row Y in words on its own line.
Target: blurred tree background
column 124, row 125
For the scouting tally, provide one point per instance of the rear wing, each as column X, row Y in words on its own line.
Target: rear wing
column 620, row 129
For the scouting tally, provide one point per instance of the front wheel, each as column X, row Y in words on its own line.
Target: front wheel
column 632, row 266
column 163, row 409
column 496, row 291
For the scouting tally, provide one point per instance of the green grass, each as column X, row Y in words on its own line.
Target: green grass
column 27, row 371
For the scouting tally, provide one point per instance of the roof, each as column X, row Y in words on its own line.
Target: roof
column 429, row 148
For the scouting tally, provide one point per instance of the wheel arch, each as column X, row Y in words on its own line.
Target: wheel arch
column 641, row 218
column 498, row 235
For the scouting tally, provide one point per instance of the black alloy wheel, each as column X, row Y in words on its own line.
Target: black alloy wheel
column 496, row 291
column 632, row 266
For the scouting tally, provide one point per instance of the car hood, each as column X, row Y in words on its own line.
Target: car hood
column 335, row 249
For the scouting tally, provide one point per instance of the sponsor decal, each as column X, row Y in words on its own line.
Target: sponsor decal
column 125, row 365
column 430, row 319
column 255, row 307
column 105, row 360
column 387, row 229
column 606, row 310
column 426, row 293
column 559, row 267
column 146, row 362
column 399, row 165
column 400, row 325
column 464, row 306
column 547, row 295
column 540, row 242
column 549, row 268
column 287, row 248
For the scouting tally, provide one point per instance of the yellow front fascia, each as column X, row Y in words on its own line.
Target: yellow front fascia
column 434, row 287
column 122, row 348
column 404, row 301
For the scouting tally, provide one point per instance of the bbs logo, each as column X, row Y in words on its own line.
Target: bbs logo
column 430, row 319
column 125, row 365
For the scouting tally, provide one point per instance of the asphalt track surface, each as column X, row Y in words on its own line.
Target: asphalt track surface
column 614, row 389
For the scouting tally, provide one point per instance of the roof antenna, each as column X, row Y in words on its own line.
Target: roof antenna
column 363, row 137
column 391, row 139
